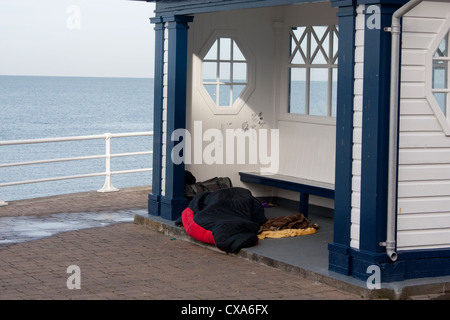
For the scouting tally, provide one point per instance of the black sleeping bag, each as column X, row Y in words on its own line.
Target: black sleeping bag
column 229, row 218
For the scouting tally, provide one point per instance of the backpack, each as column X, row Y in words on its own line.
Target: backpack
column 190, row 190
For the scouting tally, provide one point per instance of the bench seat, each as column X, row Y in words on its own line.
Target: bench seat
column 304, row 186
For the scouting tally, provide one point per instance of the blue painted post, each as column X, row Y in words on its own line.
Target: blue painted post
column 304, row 204
column 375, row 140
column 154, row 198
column 343, row 258
column 339, row 259
column 173, row 201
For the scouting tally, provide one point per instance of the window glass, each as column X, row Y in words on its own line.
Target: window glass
column 318, row 87
column 297, row 91
column 224, row 95
column 334, row 92
column 440, row 74
column 224, row 72
column 212, row 89
column 212, row 53
column 237, row 54
column 239, row 72
column 237, row 90
column 209, row 71
column 225, row 49
column 441, row 99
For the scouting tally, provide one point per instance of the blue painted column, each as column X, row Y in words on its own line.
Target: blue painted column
column 339, row 258
column 172, row 199
column 375, row 139
column 167, row 197
column 154, row 198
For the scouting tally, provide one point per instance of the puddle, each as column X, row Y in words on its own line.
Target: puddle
column 27, row 228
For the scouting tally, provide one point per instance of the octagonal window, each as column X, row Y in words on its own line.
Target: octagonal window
column 440, row 75
column 224, row 73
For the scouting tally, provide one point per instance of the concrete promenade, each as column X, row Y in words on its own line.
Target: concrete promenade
column 125, row 261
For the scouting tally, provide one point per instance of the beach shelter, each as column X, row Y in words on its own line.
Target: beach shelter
column 358, row 93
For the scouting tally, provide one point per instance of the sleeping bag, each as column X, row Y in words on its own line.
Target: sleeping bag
column 227, row 218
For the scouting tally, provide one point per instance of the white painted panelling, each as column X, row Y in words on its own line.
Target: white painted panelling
column 414, row 73
column 424, row 140
column 423, row 172
column 358, row 85
column 354, row 235
column 358, row 103
column 357, row 115
column 412, row 89
column 413, row 57
column 164, row 110
column 430, row 9
column 357, row 154
column 356, row 184
column 356, row 203
column 356, row 215
column 356, row 167
column 313, row 150
column 357, row 126
column 422, row 25
column 417, row 40
column 419, row 123
column 423, row 205
column 357, row 135
column 415, row 107
column 429, row 188
column 359, row 53
column 424, row 156
column 425, row 220
column 420, row 238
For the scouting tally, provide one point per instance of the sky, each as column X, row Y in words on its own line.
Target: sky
column 90, row 38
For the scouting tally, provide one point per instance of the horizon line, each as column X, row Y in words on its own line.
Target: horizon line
column 73, row 76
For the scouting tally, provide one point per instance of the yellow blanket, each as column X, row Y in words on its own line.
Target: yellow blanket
column 284, row 233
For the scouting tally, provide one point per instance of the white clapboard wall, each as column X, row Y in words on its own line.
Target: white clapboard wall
column 424, row 143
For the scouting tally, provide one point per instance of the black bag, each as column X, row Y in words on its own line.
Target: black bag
column 190, row 190
column 189, row 178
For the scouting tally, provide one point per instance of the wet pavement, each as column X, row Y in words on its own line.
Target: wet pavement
column 28, row 228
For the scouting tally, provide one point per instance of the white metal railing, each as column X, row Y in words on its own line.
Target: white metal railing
column 107, row 187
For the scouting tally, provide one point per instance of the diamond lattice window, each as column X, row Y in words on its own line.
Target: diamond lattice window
column 313, row 70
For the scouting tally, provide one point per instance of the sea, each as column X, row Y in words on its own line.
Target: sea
column 37, row 107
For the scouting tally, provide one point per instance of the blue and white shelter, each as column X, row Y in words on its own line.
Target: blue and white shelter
column 359, row 93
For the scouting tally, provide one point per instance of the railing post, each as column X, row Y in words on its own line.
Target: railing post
column 108, row 187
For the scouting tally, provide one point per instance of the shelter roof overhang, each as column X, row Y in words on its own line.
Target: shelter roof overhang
column 188, row 7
